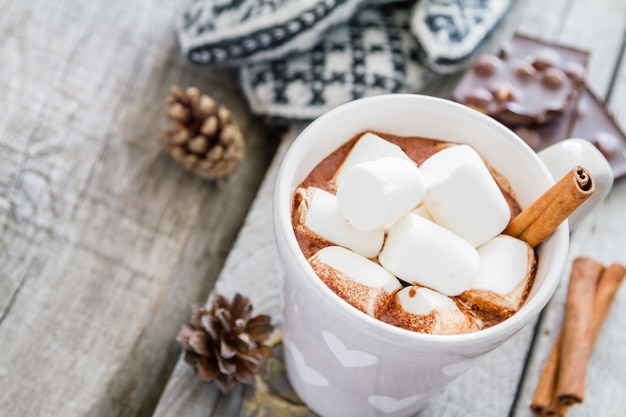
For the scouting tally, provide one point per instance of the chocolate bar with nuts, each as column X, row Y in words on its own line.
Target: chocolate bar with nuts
column 589, row 119
column 595, row 122
column 529, row 82
column 540, row 136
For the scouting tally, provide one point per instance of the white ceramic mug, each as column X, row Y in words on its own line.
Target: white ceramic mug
column 344, row 363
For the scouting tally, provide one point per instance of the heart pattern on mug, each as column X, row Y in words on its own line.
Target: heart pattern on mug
column 390, row 404
column 305, row 372
column 348, row 358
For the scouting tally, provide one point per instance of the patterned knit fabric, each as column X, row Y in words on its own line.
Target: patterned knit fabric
column 236, row 32
column 374, row 53
column 450, row 32
column 300, row 58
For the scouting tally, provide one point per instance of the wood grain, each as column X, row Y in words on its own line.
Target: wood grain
column 104, row 241
column 600, row 236
column 251, row 268
column 492, row 386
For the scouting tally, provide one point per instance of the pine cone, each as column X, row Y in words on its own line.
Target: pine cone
column 224, row 343
column 206, row 138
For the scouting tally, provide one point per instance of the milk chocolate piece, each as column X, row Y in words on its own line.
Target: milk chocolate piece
column 595, row 122
column 539, row 137
column 529, row 82
column 589, row 119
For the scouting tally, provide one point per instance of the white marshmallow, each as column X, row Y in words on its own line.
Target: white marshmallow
column 506, row 267
column 419, row 251
column 423, row 300
column 463, row 196
column 422, row 210
column 361, row 282
column 427, row 311
column 368, row 148
column 376, row 193
column 318, row 212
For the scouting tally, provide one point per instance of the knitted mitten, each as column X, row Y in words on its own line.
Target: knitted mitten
column 237, row 32
column 374, row 53
column 450, row 32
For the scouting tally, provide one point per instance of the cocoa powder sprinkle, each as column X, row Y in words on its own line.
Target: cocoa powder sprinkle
column 386, row 309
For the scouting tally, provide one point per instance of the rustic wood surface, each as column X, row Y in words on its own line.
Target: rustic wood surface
column 105, row 242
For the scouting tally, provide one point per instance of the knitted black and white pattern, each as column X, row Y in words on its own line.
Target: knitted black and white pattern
column 374, row 53
column 450, row 32
column 238, row 32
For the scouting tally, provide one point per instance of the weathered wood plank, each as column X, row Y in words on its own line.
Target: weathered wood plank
column 252, row 270
column 494, row 380
column 603, row 239
column 104, row 240
column 602, row 235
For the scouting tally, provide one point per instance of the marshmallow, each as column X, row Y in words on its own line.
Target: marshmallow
column 423, row 310
column 318, row 212
column 463, row 196
column 422, row 210
column 368, row 148
column 506, row 269
column 376, row 193
column 361, row 282
column 419, row 251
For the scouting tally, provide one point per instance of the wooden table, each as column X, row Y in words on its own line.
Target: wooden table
column 105, row 242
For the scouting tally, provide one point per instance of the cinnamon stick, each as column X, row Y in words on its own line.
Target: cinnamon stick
column 577, row 330
column 540, row 219
column 544, row 394
column 544, row 402
column 605, row 294
column 556, row 409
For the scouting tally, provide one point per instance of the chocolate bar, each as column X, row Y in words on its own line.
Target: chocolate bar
column 529, row 82
column 519, row 88
column 595, row 122
column 541, row 136
column 589, row 119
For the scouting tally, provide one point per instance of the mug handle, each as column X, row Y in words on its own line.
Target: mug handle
column 564, row 155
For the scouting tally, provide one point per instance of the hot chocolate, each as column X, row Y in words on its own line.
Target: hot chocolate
column 408, row 230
